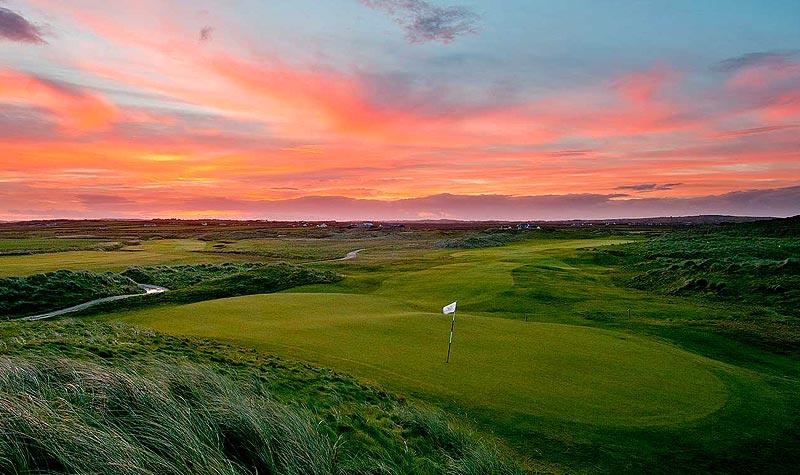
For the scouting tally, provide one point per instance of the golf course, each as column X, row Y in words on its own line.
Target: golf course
column 399, row 237
column 556, row 355
column 396, row 337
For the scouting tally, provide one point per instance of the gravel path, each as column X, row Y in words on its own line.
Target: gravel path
column 148, row 289
column 351, row 255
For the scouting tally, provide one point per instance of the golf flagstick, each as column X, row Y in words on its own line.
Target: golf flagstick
column 450, row 309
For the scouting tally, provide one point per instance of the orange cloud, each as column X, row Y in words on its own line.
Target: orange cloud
column 77, row 111
column 215, row 123
column 339, row 103
column 770, row 84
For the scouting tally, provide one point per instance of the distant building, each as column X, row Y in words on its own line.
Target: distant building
column 527, row 226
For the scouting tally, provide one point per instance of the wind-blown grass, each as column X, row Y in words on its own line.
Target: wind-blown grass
column 78, row 417
column 111, row 399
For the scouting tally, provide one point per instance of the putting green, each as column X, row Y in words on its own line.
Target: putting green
column 546, row 370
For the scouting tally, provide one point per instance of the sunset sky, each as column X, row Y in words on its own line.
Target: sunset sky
column 398, row 109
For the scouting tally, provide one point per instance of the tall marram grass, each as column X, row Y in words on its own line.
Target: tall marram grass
column 67, row 416
column 75, row 417
column 462, row 456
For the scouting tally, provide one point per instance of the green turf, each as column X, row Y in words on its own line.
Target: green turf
column 483, row 276
column 166, row 252
column 558, row 371
column 23, row 246
column 298, row 250
column 603, row 377
column 192, row 251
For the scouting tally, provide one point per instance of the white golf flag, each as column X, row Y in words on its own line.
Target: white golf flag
column 447, row 310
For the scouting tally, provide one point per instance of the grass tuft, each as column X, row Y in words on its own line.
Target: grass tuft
column 144, row 411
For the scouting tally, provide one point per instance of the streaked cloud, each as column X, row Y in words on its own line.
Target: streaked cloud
column 75, row 109
column 14, row 27
column 759, row 130
column 763, row 58
column 100, row 200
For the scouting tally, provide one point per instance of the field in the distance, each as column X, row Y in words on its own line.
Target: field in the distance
column 166, row 251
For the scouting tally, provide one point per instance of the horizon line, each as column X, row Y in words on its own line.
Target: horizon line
column 442, row 220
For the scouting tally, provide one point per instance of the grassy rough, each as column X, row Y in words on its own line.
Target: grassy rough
column 756, row 263
column 755, row 266
column 213, row 275
column 78, row 417
column 490, row 238
column 195, row 283
column 98, row 398
column 21, row 296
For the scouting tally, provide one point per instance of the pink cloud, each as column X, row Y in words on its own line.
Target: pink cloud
column 75, row 109
column 643, row 87
column 786, row 105
column 217, row 123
